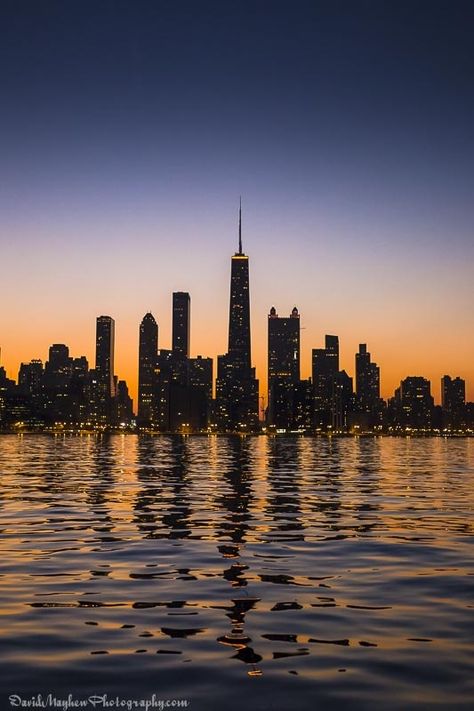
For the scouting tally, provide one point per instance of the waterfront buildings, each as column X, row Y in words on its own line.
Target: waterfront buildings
column 175, row 390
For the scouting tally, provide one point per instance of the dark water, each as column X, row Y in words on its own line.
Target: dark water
column 237, row 573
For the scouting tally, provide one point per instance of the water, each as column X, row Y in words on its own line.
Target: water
column 259, row 573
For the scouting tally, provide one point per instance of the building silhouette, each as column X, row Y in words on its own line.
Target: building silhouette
column 104, row 378
column 175, row 390
column 412, row 406
column 182, row 386
column 124, row 405
column 453, row 402
column 147, row 364
column 283, row 369
column 181, row 324
column 325, row 367
column 236, row 385
column 368, row 408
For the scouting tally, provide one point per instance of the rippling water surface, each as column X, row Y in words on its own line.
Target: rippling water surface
column 238, row 573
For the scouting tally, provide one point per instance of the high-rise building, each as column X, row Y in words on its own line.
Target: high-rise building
column 104, row 353
column 200, row 392
column 58, row 366
column 236, row 386
column 124, row 404
column 325, row 367
column 332, row 352
column 104, row 367
column 412, row 404
column 283, row 367
column 341, row 400
column 30, row 377
column 147, row 364
column 367, row 381
column 181, row 323
column 453, row 401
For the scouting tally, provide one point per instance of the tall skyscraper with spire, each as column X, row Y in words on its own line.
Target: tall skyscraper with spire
column 236, row 386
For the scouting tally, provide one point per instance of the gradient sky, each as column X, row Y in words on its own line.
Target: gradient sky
column 128, row 130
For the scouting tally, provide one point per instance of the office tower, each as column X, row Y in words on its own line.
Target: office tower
column 124, row 404
column 30, row 377
column 412, row 404
column 147, row 364
column 325, row 367
column 104, row 353
column 453, row 401
column 200, row 392
column 57, row 369
column 78, row 389
column 7, row 388
column 239, row 307
column 57, row 375
column 303, row 405
column 183, row 390
column 181, row 323
column 367, row 381
column 341, row 400
column 283, row 367
column 162, row 393
column 104, row 368
column 236, row 385
column 332, row 352
column 58, row 360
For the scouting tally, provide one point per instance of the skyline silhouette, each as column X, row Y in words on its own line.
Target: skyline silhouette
column 179, row 393
column 127, row 137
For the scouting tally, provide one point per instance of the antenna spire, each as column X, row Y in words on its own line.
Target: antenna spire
column 240, row 226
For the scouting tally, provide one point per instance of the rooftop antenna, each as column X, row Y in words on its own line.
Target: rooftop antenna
column 240, row 226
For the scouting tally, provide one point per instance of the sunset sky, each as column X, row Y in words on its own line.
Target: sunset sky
column 128, row 130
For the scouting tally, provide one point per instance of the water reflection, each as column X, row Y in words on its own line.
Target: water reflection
column 233, row 557
column 236, row 500
column 284, row 471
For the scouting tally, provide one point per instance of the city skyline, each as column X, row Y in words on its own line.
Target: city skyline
column 130, row 371
column 347, row 129
column 172, row 399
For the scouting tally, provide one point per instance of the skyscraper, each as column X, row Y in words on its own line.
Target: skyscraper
column 236, row 386
column 147, row 356
column 367, row 380
column 104, row 353
column 181, row 323
column 412, row 404
column 325, row 367
column 453, row 401
column 283, row 367
column 104, row 367
column 239, row 306
column 332, row 352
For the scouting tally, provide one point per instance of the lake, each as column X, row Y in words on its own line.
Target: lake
column 257, row 573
